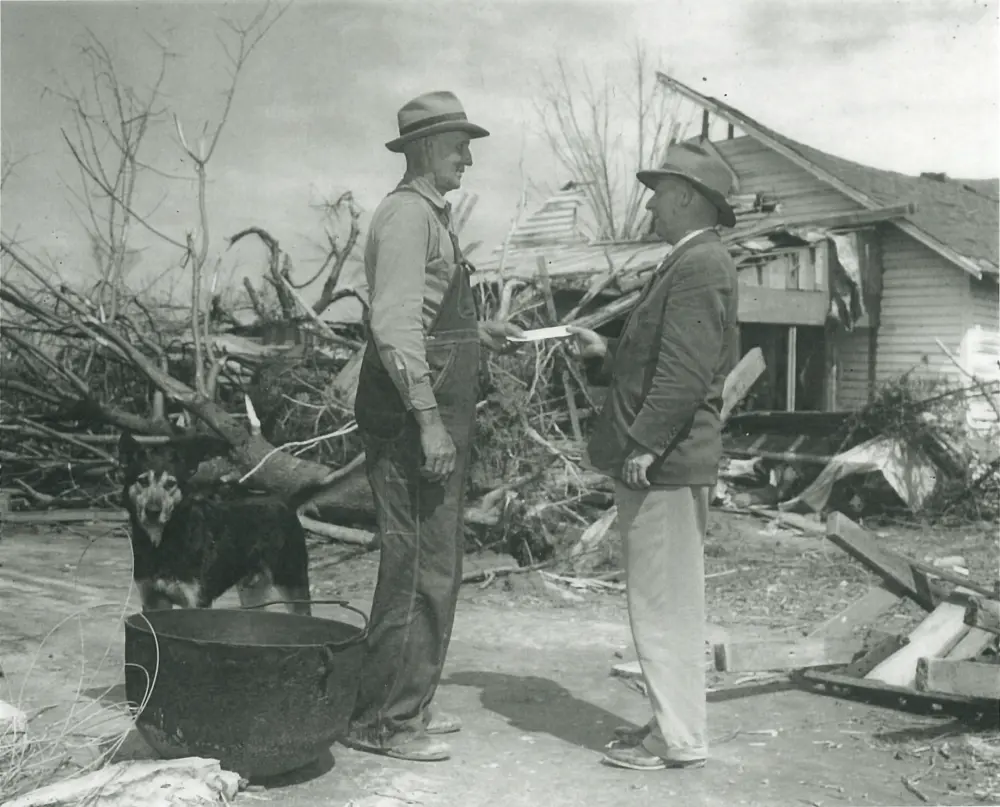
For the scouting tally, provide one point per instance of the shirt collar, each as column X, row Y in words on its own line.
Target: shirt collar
column 690, row 237
column 426, row 188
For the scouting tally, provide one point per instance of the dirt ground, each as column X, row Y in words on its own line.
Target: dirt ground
column 529, row 673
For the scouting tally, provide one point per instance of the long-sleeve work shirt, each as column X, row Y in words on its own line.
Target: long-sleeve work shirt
column 409, row 262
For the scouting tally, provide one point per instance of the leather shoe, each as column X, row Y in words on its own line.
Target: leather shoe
column 637, row 758
column 443, row 723
column 627, row 735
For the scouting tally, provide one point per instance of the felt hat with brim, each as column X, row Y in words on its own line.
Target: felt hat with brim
column 705, row 171
column 432, row 113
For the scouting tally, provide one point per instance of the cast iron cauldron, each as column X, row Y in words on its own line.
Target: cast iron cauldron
column 263, row 692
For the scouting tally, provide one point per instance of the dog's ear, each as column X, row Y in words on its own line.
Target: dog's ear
column 128, row 449
column 195, row 449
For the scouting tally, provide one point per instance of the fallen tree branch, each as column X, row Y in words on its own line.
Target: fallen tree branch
column 47, row 501
column 334, row 532
column 45, row 431
column 503, row 571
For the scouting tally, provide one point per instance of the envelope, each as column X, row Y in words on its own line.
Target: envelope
column 556, row 332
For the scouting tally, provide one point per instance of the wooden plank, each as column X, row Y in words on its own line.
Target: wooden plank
column 969, row 679
column 62, row 516
column 971, row 645
column 740, row 379
column 835, row 221
column 879, row 650
column 897, row 572
column 781, row 654
column 631, row 671
column 894, row 697
column 863, row 611
column 983, row 614
column 935, row 636
column 791, row 367
column 796, row 520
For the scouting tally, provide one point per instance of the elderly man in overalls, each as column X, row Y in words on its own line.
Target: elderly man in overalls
column 415, row 408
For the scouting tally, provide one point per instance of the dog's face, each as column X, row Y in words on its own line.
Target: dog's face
column 155, row 476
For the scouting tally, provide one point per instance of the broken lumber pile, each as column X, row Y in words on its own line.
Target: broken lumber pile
column 948, row 663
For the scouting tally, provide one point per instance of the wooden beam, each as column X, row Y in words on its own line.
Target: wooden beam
column 761, row 135
column 971, row 645
column 969, row 679
column 879, row 650
column 897, row 572
column 779, row 654
column 704, row 124
column 740, row 379
column 935, row 636
column 827, row 221
column 894, row 697
column 791, row 367
column 983, row 614
column 863, row 611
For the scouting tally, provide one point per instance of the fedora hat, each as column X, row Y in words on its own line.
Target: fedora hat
column 432, row 113
column 709, row 175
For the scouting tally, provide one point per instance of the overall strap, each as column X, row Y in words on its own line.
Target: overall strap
column 463, row 268
column 460, row 258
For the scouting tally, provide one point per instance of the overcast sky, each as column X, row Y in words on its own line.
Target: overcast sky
column 905, row 85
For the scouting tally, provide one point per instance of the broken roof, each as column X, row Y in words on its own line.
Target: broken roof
column 959, row 219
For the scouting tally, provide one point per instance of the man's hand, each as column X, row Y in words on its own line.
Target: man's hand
column 635, row 467
column 494, row 335
column 590, row 343
column 439, row 450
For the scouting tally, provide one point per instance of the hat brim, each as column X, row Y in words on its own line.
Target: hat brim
column 651, row 177
column 471, row 129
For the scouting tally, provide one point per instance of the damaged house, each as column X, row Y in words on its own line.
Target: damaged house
column 849, row 274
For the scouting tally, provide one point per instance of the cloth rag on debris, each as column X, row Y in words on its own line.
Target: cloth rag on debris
column 907, row 470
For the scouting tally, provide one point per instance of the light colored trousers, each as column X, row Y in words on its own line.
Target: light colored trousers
column 663, row 537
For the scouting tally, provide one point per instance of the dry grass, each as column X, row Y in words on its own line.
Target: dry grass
column 64, row 740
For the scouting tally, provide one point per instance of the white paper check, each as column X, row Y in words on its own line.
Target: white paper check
column 557, row 332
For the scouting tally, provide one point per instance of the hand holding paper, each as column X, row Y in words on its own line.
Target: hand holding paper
column 496, row 335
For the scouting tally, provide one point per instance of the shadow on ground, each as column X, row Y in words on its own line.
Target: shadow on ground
column 540, row 706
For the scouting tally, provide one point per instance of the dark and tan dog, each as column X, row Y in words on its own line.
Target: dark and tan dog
column 192, row 545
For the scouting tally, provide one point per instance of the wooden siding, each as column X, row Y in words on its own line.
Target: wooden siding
column 924, row 298
column 851, row 355
column 761, row 170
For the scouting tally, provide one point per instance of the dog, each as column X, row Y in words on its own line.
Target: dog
column 191, row 544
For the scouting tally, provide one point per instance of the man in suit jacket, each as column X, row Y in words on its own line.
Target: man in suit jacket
column 659, row 436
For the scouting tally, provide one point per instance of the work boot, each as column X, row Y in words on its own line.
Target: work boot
column 416, row 748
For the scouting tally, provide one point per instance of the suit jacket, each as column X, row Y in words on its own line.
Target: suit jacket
column 668, row 368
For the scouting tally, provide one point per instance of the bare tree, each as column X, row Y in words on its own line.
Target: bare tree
column 602, row 130
column 53, row 324
column 110, row 123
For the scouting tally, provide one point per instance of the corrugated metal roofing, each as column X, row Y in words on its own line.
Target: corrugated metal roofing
column 554, row 222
